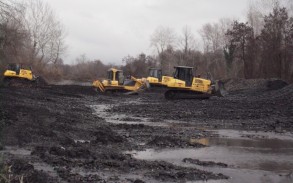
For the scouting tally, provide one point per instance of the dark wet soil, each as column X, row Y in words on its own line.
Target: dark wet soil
column 245, row 109
column 204, row 163
column 58, row 125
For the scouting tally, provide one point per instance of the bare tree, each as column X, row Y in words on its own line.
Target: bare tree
column 187, row 40
column 162, row 38
column 213, row 35
column 46, row 32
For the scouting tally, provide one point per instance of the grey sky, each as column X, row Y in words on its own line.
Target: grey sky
column 111, row 29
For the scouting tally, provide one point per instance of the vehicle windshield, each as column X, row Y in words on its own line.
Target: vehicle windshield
column 110, row 75
column 120, row 77
column 12, row 67
column 184, row 74
column 156, row 73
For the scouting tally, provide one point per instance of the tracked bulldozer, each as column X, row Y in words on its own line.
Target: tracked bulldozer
column 20, row 74
column 183, row 84
column 155, row 77
column 116, row 82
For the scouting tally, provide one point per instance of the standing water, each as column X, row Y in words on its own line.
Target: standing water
column 251, row 157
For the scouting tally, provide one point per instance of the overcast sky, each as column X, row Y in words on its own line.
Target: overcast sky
column 112, row 29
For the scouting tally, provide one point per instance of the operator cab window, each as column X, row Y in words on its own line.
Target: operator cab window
column 11, row 67
column 153, row 73
column 110, row 75
column 120, row 77
column 184, row 74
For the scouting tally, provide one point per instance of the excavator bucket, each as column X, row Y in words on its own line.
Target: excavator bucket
column 219, row 89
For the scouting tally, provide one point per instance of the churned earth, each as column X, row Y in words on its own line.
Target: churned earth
column 71, row 133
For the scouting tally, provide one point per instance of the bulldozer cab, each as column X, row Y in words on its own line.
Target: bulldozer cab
column 17, row 67
column 184, row 73
column 116, row 75
column 14, row 67
column 156, row 73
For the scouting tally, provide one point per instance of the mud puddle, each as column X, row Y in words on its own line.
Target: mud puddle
column 250, row 156
column 115, row 118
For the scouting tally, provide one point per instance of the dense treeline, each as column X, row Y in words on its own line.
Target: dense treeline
column 30, row 33
column 261, row 47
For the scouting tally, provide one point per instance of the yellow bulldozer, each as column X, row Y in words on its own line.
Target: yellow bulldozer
column 20, row 71
column 21, row 74
column 155, row 77
column 116, row 82
column 183, row 84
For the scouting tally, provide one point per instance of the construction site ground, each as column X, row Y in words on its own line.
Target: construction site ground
column 70, row 133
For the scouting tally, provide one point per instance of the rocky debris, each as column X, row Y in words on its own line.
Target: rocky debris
column 204, row 163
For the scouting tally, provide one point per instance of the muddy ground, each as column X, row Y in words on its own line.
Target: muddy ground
column 72, row 134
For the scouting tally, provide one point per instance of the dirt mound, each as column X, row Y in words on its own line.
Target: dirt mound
column 276, row 84
column 256, row 84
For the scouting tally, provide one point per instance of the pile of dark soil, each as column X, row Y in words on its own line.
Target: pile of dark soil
column 254, row 84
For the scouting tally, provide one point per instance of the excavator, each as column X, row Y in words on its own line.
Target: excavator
column 116, row 82
column 183, row 84
column 17, row 74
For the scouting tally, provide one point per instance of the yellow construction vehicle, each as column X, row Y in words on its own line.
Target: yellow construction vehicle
column 21, row 74
column 116, row 82
column 18, row 71
column 155, row 77
column 184, row 85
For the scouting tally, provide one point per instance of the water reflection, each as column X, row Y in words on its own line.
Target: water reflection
column 249, row 160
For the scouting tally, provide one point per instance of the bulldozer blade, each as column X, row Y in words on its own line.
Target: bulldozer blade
column 145, row 85
column 219, row 89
